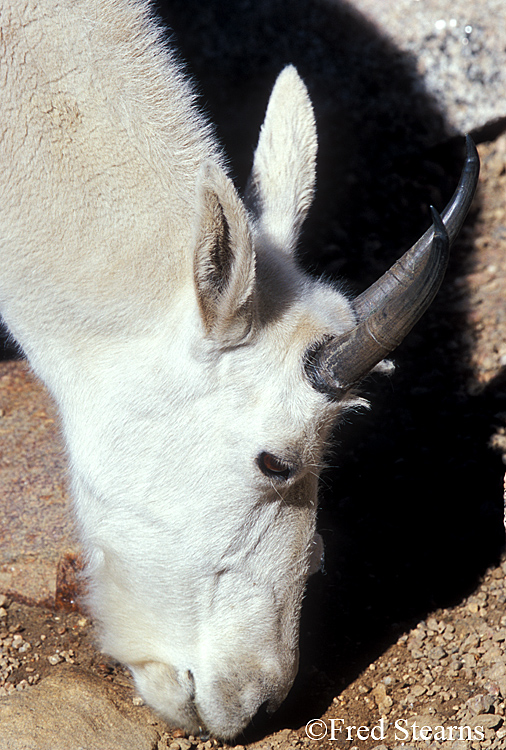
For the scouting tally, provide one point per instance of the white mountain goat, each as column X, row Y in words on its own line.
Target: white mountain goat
column 197, row 369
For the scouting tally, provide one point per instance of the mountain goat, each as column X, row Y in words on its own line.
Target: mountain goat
column 198, row 371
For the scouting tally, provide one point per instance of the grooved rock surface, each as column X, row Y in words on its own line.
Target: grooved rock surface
column 35, row 519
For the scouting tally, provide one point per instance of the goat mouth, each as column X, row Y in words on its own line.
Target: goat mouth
column 191, row 684
column 204, row 733
column 193, row 708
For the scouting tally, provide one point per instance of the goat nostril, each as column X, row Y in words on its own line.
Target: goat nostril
column 191, row 705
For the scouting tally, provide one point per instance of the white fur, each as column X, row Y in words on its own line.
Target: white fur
column 118, row 225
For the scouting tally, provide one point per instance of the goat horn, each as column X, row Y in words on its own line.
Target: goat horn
column 389, row 309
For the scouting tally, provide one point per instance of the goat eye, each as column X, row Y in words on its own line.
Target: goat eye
column 273, row 467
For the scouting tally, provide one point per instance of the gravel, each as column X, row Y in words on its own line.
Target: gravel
column 446, row 674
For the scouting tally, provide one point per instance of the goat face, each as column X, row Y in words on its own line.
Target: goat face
column 202, row 537
column 198, row 568
column 200, row 524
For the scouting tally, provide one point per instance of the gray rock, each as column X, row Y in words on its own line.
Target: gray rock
column 497, row 671
column 436, row 653
column 479, row 704
column 492, row 655
column 458, row 47
column 488, row 721
column 71, row 708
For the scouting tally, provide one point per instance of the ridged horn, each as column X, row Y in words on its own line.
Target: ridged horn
column 389, row 309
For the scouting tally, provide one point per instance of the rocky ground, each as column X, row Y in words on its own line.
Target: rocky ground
column 403, row 636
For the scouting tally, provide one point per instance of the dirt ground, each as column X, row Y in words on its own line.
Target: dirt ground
column 407, row 622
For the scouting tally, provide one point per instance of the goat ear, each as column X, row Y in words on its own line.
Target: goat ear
column 224, row 268
column 281, row 186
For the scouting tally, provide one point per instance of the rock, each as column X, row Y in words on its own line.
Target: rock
column 492, row 655
column 416, row 691
column 458, row 47
column 425, row 720
column 35, row 519
column 72, row 708
column 497, row 672
column 436, row 653
column 488, row 721
column 500, row 635
column 181, row 744
column 383, row 701
column 479, row 704
column 432, row 624
column 54, row 659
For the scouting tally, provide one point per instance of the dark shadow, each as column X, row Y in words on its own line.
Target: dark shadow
column 8, row 347
column 373, row 116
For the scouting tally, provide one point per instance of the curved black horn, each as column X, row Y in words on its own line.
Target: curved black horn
column 389, row 309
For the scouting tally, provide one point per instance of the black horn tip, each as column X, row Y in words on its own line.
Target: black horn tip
column 436, row 219
column 471, row 170
column 471, row 151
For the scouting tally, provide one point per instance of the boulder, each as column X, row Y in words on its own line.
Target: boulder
column 36, row 526
column 70, row 708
